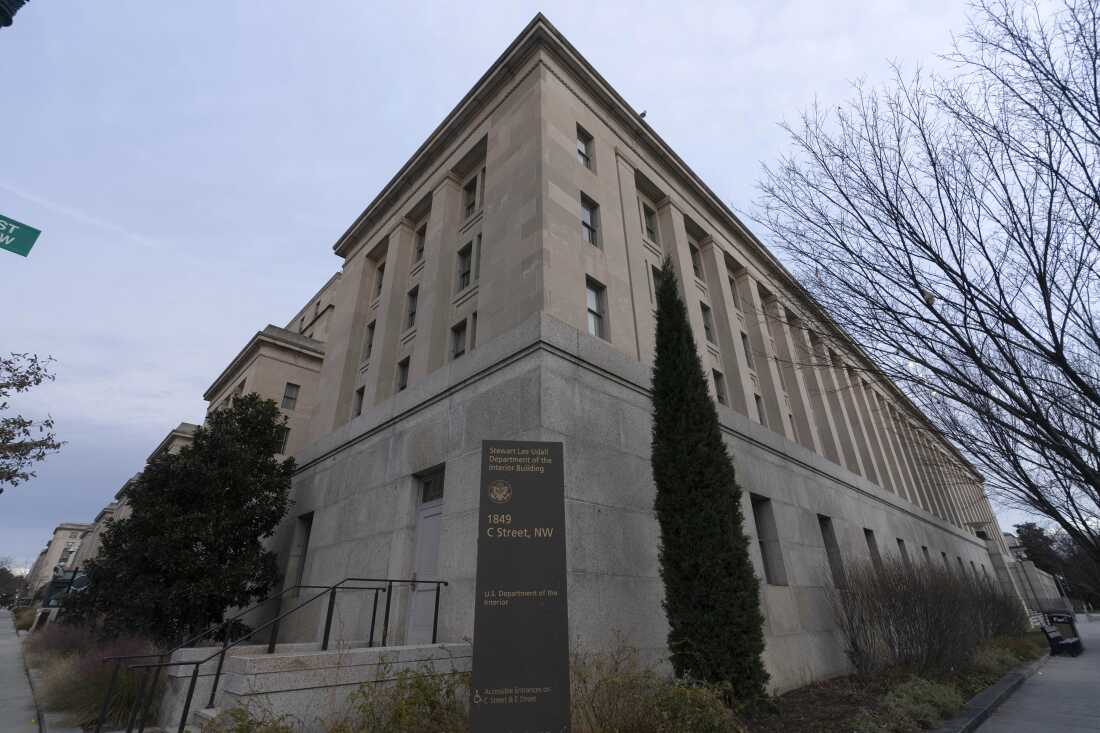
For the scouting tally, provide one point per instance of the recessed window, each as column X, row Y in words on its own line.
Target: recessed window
column 403, row 374
column 379, row 275
column 239, row 389
column 458, row 339
column 465, row 265
column 761, row 414
column 473, row 330
column 904, row 552
column 924, row 554
column 767, row 533
column 708, row 322
column 719, row 387
column 779, row 371
column 649, row 223
column 410, row 308
column 469, row 197
column 596, row 302
column 748, row 350
column 290, row 395
column 946, row 562
column 420, row 241
column 832, row 551
column 962, row 568
column 584, row 147
column 284, row 438
column 655, row 277
column 431, row 486
column 733, row 292
column 696, row 259
column 357, row 409
column 477, row 258
column 368, row 344
column 590, row 221
column 872, row 547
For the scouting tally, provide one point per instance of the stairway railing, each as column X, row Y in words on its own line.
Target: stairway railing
column 151, row 671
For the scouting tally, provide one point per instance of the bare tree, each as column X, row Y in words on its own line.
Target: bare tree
column 23, row 441
column 950, row 224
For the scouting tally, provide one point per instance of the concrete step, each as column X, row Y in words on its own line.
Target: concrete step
column 199, row 718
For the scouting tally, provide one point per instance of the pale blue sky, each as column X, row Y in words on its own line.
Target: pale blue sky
column 191, row 164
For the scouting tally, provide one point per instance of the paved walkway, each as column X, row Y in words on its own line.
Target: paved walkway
column 1062, row 697
column 17, row 712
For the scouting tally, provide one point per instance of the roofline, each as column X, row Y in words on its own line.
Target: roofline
column 184, row 429
column 254, row 343
column 540, row 30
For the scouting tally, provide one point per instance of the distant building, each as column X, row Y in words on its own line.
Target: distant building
column 93, row 539
column 60, row 553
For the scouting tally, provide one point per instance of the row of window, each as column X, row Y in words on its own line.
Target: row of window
column 771, row 550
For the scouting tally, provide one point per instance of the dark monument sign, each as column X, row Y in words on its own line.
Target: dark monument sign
column 521, row 629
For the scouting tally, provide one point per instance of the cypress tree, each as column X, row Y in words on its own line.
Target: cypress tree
column 711, row 593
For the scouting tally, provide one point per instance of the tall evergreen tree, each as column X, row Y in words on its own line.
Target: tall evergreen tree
column 711, row 593
column 193, row 545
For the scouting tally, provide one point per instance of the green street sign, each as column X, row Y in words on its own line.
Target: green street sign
column 16, row 237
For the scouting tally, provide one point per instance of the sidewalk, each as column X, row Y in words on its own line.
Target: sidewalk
column 17, row 713
column 1062, row 697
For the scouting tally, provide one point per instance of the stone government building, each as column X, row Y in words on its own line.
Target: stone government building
column 500, row 286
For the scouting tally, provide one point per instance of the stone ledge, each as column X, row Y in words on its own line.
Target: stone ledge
column 982, row 705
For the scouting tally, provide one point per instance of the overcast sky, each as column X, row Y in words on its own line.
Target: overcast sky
column 191, row 164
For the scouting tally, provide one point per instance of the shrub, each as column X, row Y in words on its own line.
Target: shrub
column 238, row 720
column 59, row 638
column 923, row 618
column 24, row 618
column 413, row 701
column 1025, row 648
column 921, row 701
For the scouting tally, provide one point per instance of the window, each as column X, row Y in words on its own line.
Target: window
column 719, row 387
column 872, row 547
column 368, row 346
column 584, row 147
column 696, row 259
column 421, row 239
column 924, row 554
column 761, row 414
column 458, row 340
column 431, row 486
column 649, row 223
column 469, row 197
column 473, row 330
column 962, row 568
column 358, row 408
column 832, row 551
column 748, row 350
column 413, row 296
column 779, row 371
column 590, row 221
column 290, row 395
column 465, row 265
column 317, row 308
column 655, row 272
column 904, row 552
column 771, row 551
column 239, row 390
column 734, row 293
column 403, row 374
column 974, row 568
column 946, row 562
column 379, row 274
column 284, row 437
column 708, row 322
column 596, row 303
column 477, row 258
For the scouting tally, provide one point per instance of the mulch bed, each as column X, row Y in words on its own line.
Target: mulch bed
column 823, row 707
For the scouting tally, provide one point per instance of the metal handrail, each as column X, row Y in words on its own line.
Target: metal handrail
column 140, row 717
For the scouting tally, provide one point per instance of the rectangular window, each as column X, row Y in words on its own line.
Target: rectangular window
column 596, row 303
column 748, row 350
column 421, row 239
column 771, row 551
column 590, row 221
column 872, row 547
column 584, row 147
column 379, row 274
column 473, row 330
column 655, row 273
column 733, row 292
column 465, row 265
column 477, row 258
column 431, row 486
column 904, row 552
column 458, row 339
column 925, row 555
column 719, row 387
column 974, row 568
column 832, row 551
column 762, row 415
column 649, row 223
column 708, row 322
column 290, row 395
column 962, row 568
column 403, row 374
column 469, row 197
column 696, row 259
column 410, row 308
column 368, row 345
column 946, row 562
column 284, row 437
column 358, row 407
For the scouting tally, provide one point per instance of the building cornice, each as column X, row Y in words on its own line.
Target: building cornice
column 280, row 338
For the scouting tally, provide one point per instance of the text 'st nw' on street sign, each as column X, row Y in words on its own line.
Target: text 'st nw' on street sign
column 521, row 626
column 16, row 237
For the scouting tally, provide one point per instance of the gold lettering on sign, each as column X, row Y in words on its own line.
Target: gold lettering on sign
column 519, row 460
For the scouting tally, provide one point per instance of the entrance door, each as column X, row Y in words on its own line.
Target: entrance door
column 429, row 517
